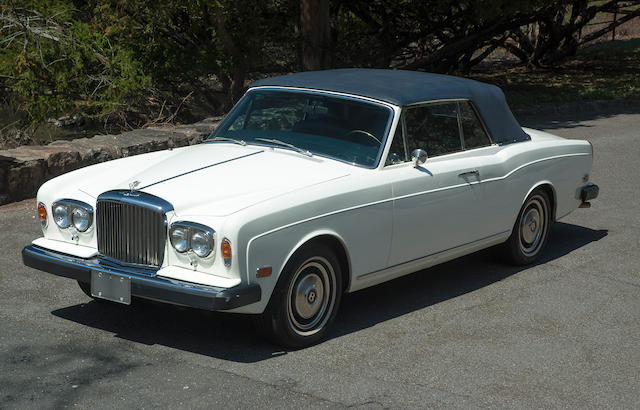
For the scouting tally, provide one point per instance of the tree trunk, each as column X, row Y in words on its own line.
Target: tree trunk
column 235, row 85
column 315, row 30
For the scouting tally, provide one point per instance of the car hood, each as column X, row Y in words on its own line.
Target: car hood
column 218, row 179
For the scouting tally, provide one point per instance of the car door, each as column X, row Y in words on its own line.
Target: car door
column 437, row 204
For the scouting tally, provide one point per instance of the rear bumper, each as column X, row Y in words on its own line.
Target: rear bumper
column 143, row 284
column 589, row 192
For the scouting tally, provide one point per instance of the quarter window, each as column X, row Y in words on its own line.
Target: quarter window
column 397, row 153
column 472, row 129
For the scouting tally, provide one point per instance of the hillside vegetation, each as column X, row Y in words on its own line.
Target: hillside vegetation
column 129, row 63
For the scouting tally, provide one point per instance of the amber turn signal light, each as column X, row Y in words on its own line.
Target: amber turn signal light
column 263, row 272
column 225, row 250
column 42, row 214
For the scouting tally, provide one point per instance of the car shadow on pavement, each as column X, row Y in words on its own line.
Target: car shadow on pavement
column 233, row 337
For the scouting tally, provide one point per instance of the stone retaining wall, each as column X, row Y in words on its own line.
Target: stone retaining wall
column 24, row 169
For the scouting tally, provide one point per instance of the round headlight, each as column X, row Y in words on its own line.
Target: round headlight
column 201, row 243
column 81, row 219
column 179, row 239
column 61, row 215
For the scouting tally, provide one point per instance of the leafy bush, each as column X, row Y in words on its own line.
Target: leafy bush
column 54, row 61
column 137, row 61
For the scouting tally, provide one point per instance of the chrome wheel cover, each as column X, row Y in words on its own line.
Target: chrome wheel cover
column 311, row 296
column 533, row 225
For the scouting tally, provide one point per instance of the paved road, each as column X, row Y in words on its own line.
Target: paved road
column 469, row 333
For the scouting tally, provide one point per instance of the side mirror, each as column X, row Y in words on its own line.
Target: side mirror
column 418, row 157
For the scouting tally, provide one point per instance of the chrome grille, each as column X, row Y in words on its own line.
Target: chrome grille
column 131, row 227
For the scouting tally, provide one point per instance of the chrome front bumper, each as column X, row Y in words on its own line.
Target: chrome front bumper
column 142, row 284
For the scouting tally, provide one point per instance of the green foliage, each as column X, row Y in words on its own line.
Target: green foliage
column 136, row 61
column 54, row 61
column 124, row 56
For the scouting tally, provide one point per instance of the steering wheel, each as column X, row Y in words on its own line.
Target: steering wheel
column 366, row 133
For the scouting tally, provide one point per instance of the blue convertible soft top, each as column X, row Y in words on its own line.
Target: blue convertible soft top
column 403, row 88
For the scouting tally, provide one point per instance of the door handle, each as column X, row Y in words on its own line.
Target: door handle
column 474, row 173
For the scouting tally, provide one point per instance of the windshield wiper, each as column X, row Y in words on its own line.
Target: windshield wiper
column 286, row 144
column 235, row 141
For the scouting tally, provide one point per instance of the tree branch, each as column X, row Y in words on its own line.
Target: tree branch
column 614, row 24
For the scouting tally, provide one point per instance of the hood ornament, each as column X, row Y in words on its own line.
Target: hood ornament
column 132, row 186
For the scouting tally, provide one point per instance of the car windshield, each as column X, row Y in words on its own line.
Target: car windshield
column 344, row 128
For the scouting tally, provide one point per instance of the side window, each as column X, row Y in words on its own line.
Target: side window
column 397, row 153
column 472, row 129
column 434, row 128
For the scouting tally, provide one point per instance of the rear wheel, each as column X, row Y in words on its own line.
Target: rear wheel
column 531, row 230
column 305, row 300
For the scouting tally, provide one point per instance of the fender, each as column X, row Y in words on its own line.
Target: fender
column 265, row 250
column 554, row 199
column 524, row 198
column 312, row 236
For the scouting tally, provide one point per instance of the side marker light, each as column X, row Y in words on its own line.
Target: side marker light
column 263, row 272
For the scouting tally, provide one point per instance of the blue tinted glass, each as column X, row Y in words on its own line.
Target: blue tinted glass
column 343, row 128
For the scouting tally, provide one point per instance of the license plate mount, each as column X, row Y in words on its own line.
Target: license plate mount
column 111, row 286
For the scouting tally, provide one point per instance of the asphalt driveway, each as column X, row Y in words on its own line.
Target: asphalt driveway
column 472, row 332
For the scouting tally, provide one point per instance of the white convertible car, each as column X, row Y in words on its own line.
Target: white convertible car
column 315, row 184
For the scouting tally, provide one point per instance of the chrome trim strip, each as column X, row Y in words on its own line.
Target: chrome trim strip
column 402, row 122
column 137, row 198
column 382, row 201
column 190, row 227
column 354, row 96
column 430, row 255
column 508, row 174
column 189, row 224
column 71, row 204
column 200, row 169
column 488, row 179
column 439, row 101
column 46, row 216
column 459, row 120
column 227, row 261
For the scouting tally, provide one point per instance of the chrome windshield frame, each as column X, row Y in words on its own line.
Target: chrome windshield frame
column 389, row 107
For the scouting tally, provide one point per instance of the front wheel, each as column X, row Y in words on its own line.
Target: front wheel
column 531, row 230
column 306, row 298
